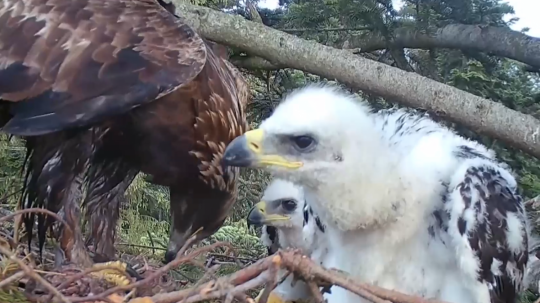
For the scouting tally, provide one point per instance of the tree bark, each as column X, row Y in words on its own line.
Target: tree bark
column 498, row 41
column 254, row 63
column 409, row 89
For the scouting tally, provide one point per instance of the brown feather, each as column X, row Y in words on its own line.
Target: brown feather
column 98, row 64
column 131, row 52
column 103, row 211
column 55, row 165
column 179, row 140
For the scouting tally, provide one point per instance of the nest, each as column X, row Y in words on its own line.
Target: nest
column 23, row 280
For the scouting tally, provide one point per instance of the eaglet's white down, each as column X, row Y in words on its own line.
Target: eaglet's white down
column 288, row 222
column 408, row 204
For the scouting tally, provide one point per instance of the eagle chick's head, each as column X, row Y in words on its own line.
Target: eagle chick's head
column 327, row 141
column 281, row 206
column 311, row 138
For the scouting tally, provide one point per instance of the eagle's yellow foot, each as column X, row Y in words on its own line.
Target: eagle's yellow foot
column 275, row 298
column 113, row 272
column 272, row 298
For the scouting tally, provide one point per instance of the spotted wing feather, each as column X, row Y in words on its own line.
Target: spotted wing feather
column 488, row 225
column 220, row 117
column 70, row 63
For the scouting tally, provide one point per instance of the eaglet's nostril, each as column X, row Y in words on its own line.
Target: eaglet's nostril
column 254, row 146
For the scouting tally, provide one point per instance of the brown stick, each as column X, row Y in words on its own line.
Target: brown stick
column 262, row 272
column 272, row 282
column 251, row 275
column 234, row 292
column 12, row 278
column 315, row 292
column 237, row 284
column 36, row 210
column 85, row 272
column 306, row 268
column 32, row 274
column 141, row 246
column 178, row 261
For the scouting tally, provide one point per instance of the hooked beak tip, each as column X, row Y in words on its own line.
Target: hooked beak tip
column 238, row 154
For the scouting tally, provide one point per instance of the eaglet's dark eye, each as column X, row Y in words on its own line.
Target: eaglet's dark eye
column 288, row 205
column 303, row 142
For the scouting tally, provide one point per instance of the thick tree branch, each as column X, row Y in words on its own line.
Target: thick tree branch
column 254, row 63
column 409, row 89
column 499, row 41
column 328, row 29
column 495, row 40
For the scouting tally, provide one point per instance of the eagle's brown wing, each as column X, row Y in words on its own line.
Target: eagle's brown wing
column 71, row 63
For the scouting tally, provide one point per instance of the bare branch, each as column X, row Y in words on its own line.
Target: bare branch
column 11, row 279
column 254, row 63
column 499, row 41
column 294, row 261
column 35, row 210
column 32, row 274
column 235, row 285
column 180, row 259
column 262, row 273
column 330, row 29
column 410, row 89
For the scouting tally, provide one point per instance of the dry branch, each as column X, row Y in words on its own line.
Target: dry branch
column 327, row 29
column 499, row 41
column 35, row 210
column 263, row 272
column 11, row 279
column 253, row 275
column 254, row 63
column 180, row 259
column 309, row 270
column 32, row 274
column 410, row 89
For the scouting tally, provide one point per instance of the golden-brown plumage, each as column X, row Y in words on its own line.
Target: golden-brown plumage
column 131, row 52
column 84, row 73
column 196, row 132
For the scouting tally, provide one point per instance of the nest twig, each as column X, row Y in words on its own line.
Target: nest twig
column 234, row 286
column 28, row 271
column 261, row 273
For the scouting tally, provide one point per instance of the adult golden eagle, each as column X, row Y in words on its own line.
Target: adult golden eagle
column 78, row 79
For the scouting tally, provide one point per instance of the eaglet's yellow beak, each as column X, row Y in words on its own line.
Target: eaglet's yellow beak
column 247, row 151
column 258, row 215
